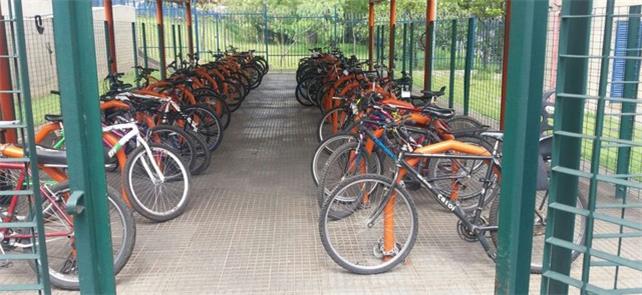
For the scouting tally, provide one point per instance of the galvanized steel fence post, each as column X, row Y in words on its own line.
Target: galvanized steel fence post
column 470, row 59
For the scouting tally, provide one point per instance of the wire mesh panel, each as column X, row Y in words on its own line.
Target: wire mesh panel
column 596, row 154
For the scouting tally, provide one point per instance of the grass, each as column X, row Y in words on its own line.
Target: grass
column 50, row 103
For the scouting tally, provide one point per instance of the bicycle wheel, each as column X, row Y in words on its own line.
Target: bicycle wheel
column 332, row 123
column 61, row 251
column 177, row 140
column 156, row 197
column 202, row 157
column 207, row 125
column 233, row 96
column 302, row 94
column 215, row 104
column 324, row 151
column 539, row 228
column 356, row 242
column 346, row 161
column 464, row 123
column 466, row 174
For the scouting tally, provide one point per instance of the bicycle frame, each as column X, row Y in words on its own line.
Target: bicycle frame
column 44, row 192
column 134, row 133
column 406, row 161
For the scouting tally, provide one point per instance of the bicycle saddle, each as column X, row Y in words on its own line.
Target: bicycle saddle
column 431, row 94
column 47, row 156
column 53, row 118
column 438, row 112
column 494, row 134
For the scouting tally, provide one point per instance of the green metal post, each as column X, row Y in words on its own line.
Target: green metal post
column 23, row 73
column 266, row 22
column 599, row 126
column 378, row 54
column 180, row 43
column 174, row 45
column 161, row 50
column 217, row 24
column 196, row 33
column 631, row 76
column 453, row 60
column 527, row 53
column 429, row 54
column 569, row 113
column 135, row 45
column 107, row 47
column 470, row 59
column 411, row 52
column 404, row 52
column 145, row 55
column 335, row 37
column 76, row 60
column 380, row 45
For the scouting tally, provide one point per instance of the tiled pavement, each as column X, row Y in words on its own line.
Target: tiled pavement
column 251, row 226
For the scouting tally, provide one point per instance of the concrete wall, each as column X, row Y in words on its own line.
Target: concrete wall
column 41, row 50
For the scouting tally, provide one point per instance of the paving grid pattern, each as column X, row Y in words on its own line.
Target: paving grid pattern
column 251, row 226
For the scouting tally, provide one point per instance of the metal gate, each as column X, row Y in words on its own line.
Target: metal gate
column 597, row 153
column 21, row 220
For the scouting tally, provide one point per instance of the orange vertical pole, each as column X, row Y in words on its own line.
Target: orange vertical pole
column 109, row 18
column 505, row 64
column 371, row 27
column 161, row 37
column 6, row 99
column 188, row 26
column 391, row 49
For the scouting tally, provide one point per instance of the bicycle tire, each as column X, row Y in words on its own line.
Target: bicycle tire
column 321, row 135
column 121, row 256
column 361, row 226
column 181, row 174
column 211, row 131
column 203, row 156
column 324, row 151
column 176, row 139
column 329, row 180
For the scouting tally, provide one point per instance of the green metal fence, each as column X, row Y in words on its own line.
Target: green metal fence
column 596, row 154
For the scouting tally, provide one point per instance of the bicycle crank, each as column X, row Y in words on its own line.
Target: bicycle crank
column 466, row 234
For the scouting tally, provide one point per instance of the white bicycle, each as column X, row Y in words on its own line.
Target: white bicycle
column 155, row 179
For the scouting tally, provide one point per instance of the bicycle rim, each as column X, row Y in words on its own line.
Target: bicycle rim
column 358, row 245
column 154, row 199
